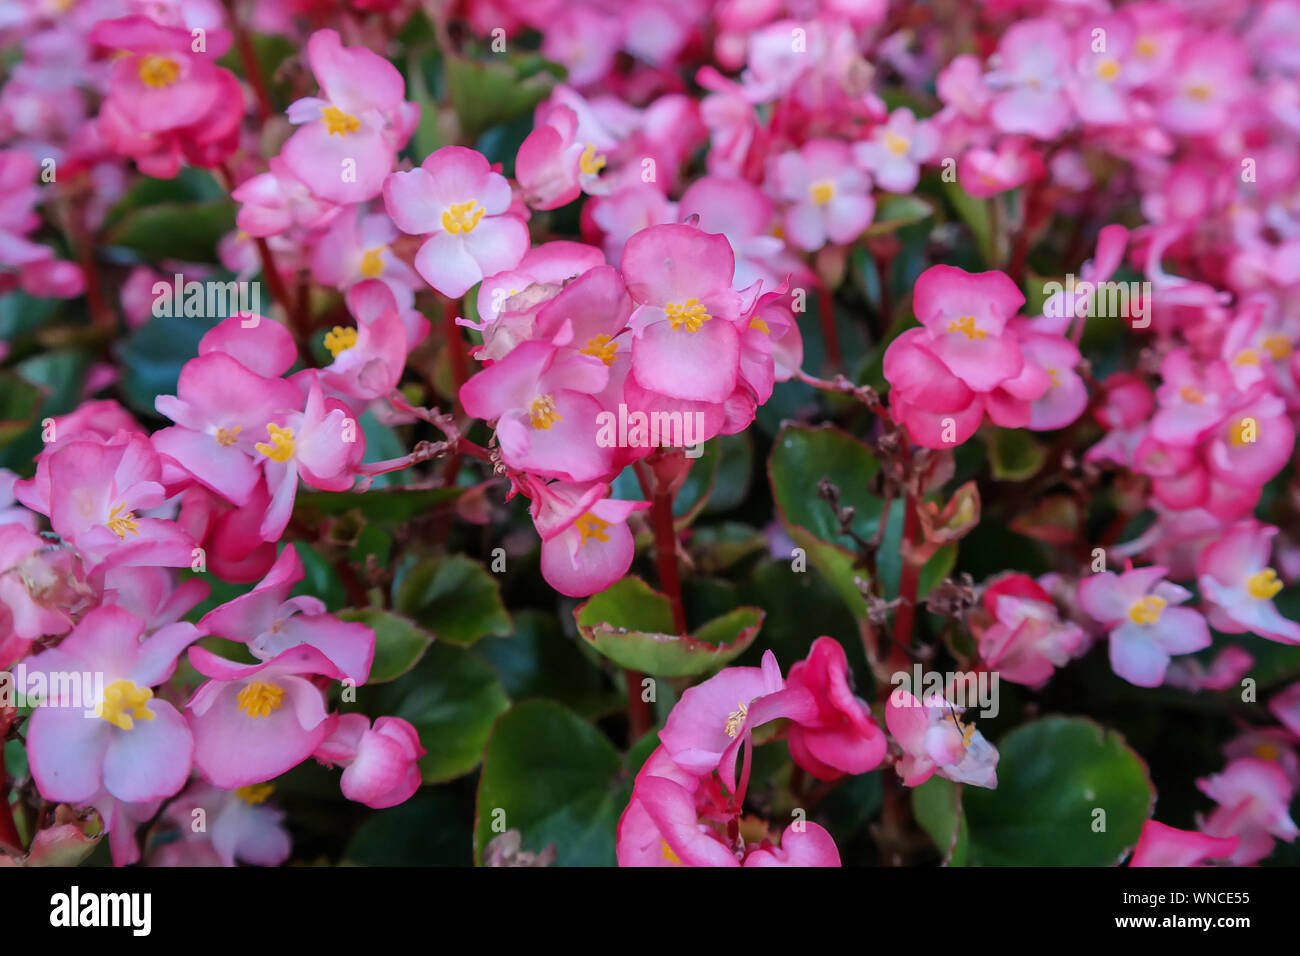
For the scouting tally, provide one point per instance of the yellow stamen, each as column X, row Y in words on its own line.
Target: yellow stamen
column 461, row 217
column 760, row 325
column 666, row 853
column 898, row 145
column 967, row 730
column 157, row 72
column 226, row 436
column 339, row 339
column 602, row 348
column 692, row 314
column 122, row 522
column 543, row 414
column 1191, row 395
column 1278, row 346
column 1200, row 91
column 124, row 704
column 1244, row 432
column 281, row 447
column 1264, row 585
column 372, row 263
column 254, row 793
column 338, row 122
column 1108, row 68
column 259, row 698
column 822, row 192
column 1055, row 376
column 1267, row 751
column 1246, row 357
column 590, row 163
column 589, row 526
column 736, row 718
column 1147, row 610
column 1146, row 47
column 966, row 325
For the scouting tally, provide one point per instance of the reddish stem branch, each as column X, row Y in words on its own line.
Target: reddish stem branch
column 830, row 334
column 639, row 715
column 252, row 69
column 910, row 579
column 661, row 519
column 9, row 838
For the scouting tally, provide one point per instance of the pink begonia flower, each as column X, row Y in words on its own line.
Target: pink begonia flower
column 123, row 740
column 586, row 543
column 686, row 344
column 229, row 535
column 349, row 136
column 1160, row 845
column 842, row 738
column 381, row 763
column 369, row 359
column 1255, row 440
column 121, row 819
column 609, row 221
column 1028, row 640
column 935, row 740
column 241, row 827
column 1066, row 397
column 322, row 445
column 1139, row 609
column 270, row 622
column 1253, row 798
column 966, row 315
column 1238, row 584
column 545, row 415
column 714, row 719
column 828, row 198
column 1028, row 80
column 1286, row 708
column 95, row 494
column 22, row 617
column 456, row 200
column 221, row 409
column 1192, row 399
column 10, row 511
column 984, row 173
column 154, row 594
column 357, row 247
column 894, row 153
column 100, row 420
column 1209, row 77
column 277, row 201
column 743, row 213
column 803, row 843
column 252, row 722
column 553, row 166
column 1226, row 670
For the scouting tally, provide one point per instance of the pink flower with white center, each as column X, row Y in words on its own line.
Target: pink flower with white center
column 1209, row 77
column 896, row 150
column 241, row 826
column 686, row 343
column 744, row 214
column 1139, row 609
column 1028, row 639
column 456, row 200
column 1226, row 670
column 381, row 763
column 1160, row 845
column 322, row 444
column 270, row 622
column 277, row 201
column 934, row 405
column 841, row 738
column 586, row 543
column 349, row 135
column 1255, row 440
column 125, row 740
column 252, row 722
column 827, row 197
column 357, row 247
column 1254, row 797
column 966, row 316
column 1192, row 399
column 545, row 415
column 936, row 740
column 1238, row 584
column 987, row 172
column 1102, row 89
column 95, row 494
column 1028, row 79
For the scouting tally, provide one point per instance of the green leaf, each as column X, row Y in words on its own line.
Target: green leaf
column 430, row 829
column 454, row 597
column 1014, row 454
column 452, row 698
column 19, row 403
column 395, row 505
column 629, row 605
column 975, row 212
column 185, row 231
column 152, row 357
column 1053, row 777
column 895, row 212
column 485, row 94
column 936, row 804
column 557, row 780
column 399, row 644
column 539, row 660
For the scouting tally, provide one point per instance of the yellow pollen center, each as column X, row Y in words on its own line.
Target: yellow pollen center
column 259, row 698
column 158, row 72
column 1278, row 346
column 736, row 718
column 589, row 526
column 967, row 730
column 227, row 436
column 372, row 263
column 591, row 164
column 1146, row 47
column 692, row 314
column 966, row 325
column 122, row 522
column 281, row 447
column 1200, row 91
column 602, row 348
column 338, row 122
column 339, row 339
column 124, row 704
column 1108, row 68
column 542, row 412
column 1147, row 610
column 760, row 325
column 1245, row 432
column 822, row 192
column 1246, row 357
column 898, row 145
column 666, row 853
column 1267, row 751
column 254, row 793
column 1055, row 377
column 461, row 217
column 1191, row 395
column 1264, row 585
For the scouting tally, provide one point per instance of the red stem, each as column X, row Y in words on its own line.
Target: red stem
column 252, row 69
column 910, row 579
column 638, row 709
column 661, row 518
column 8, row 829
column 830, row 335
